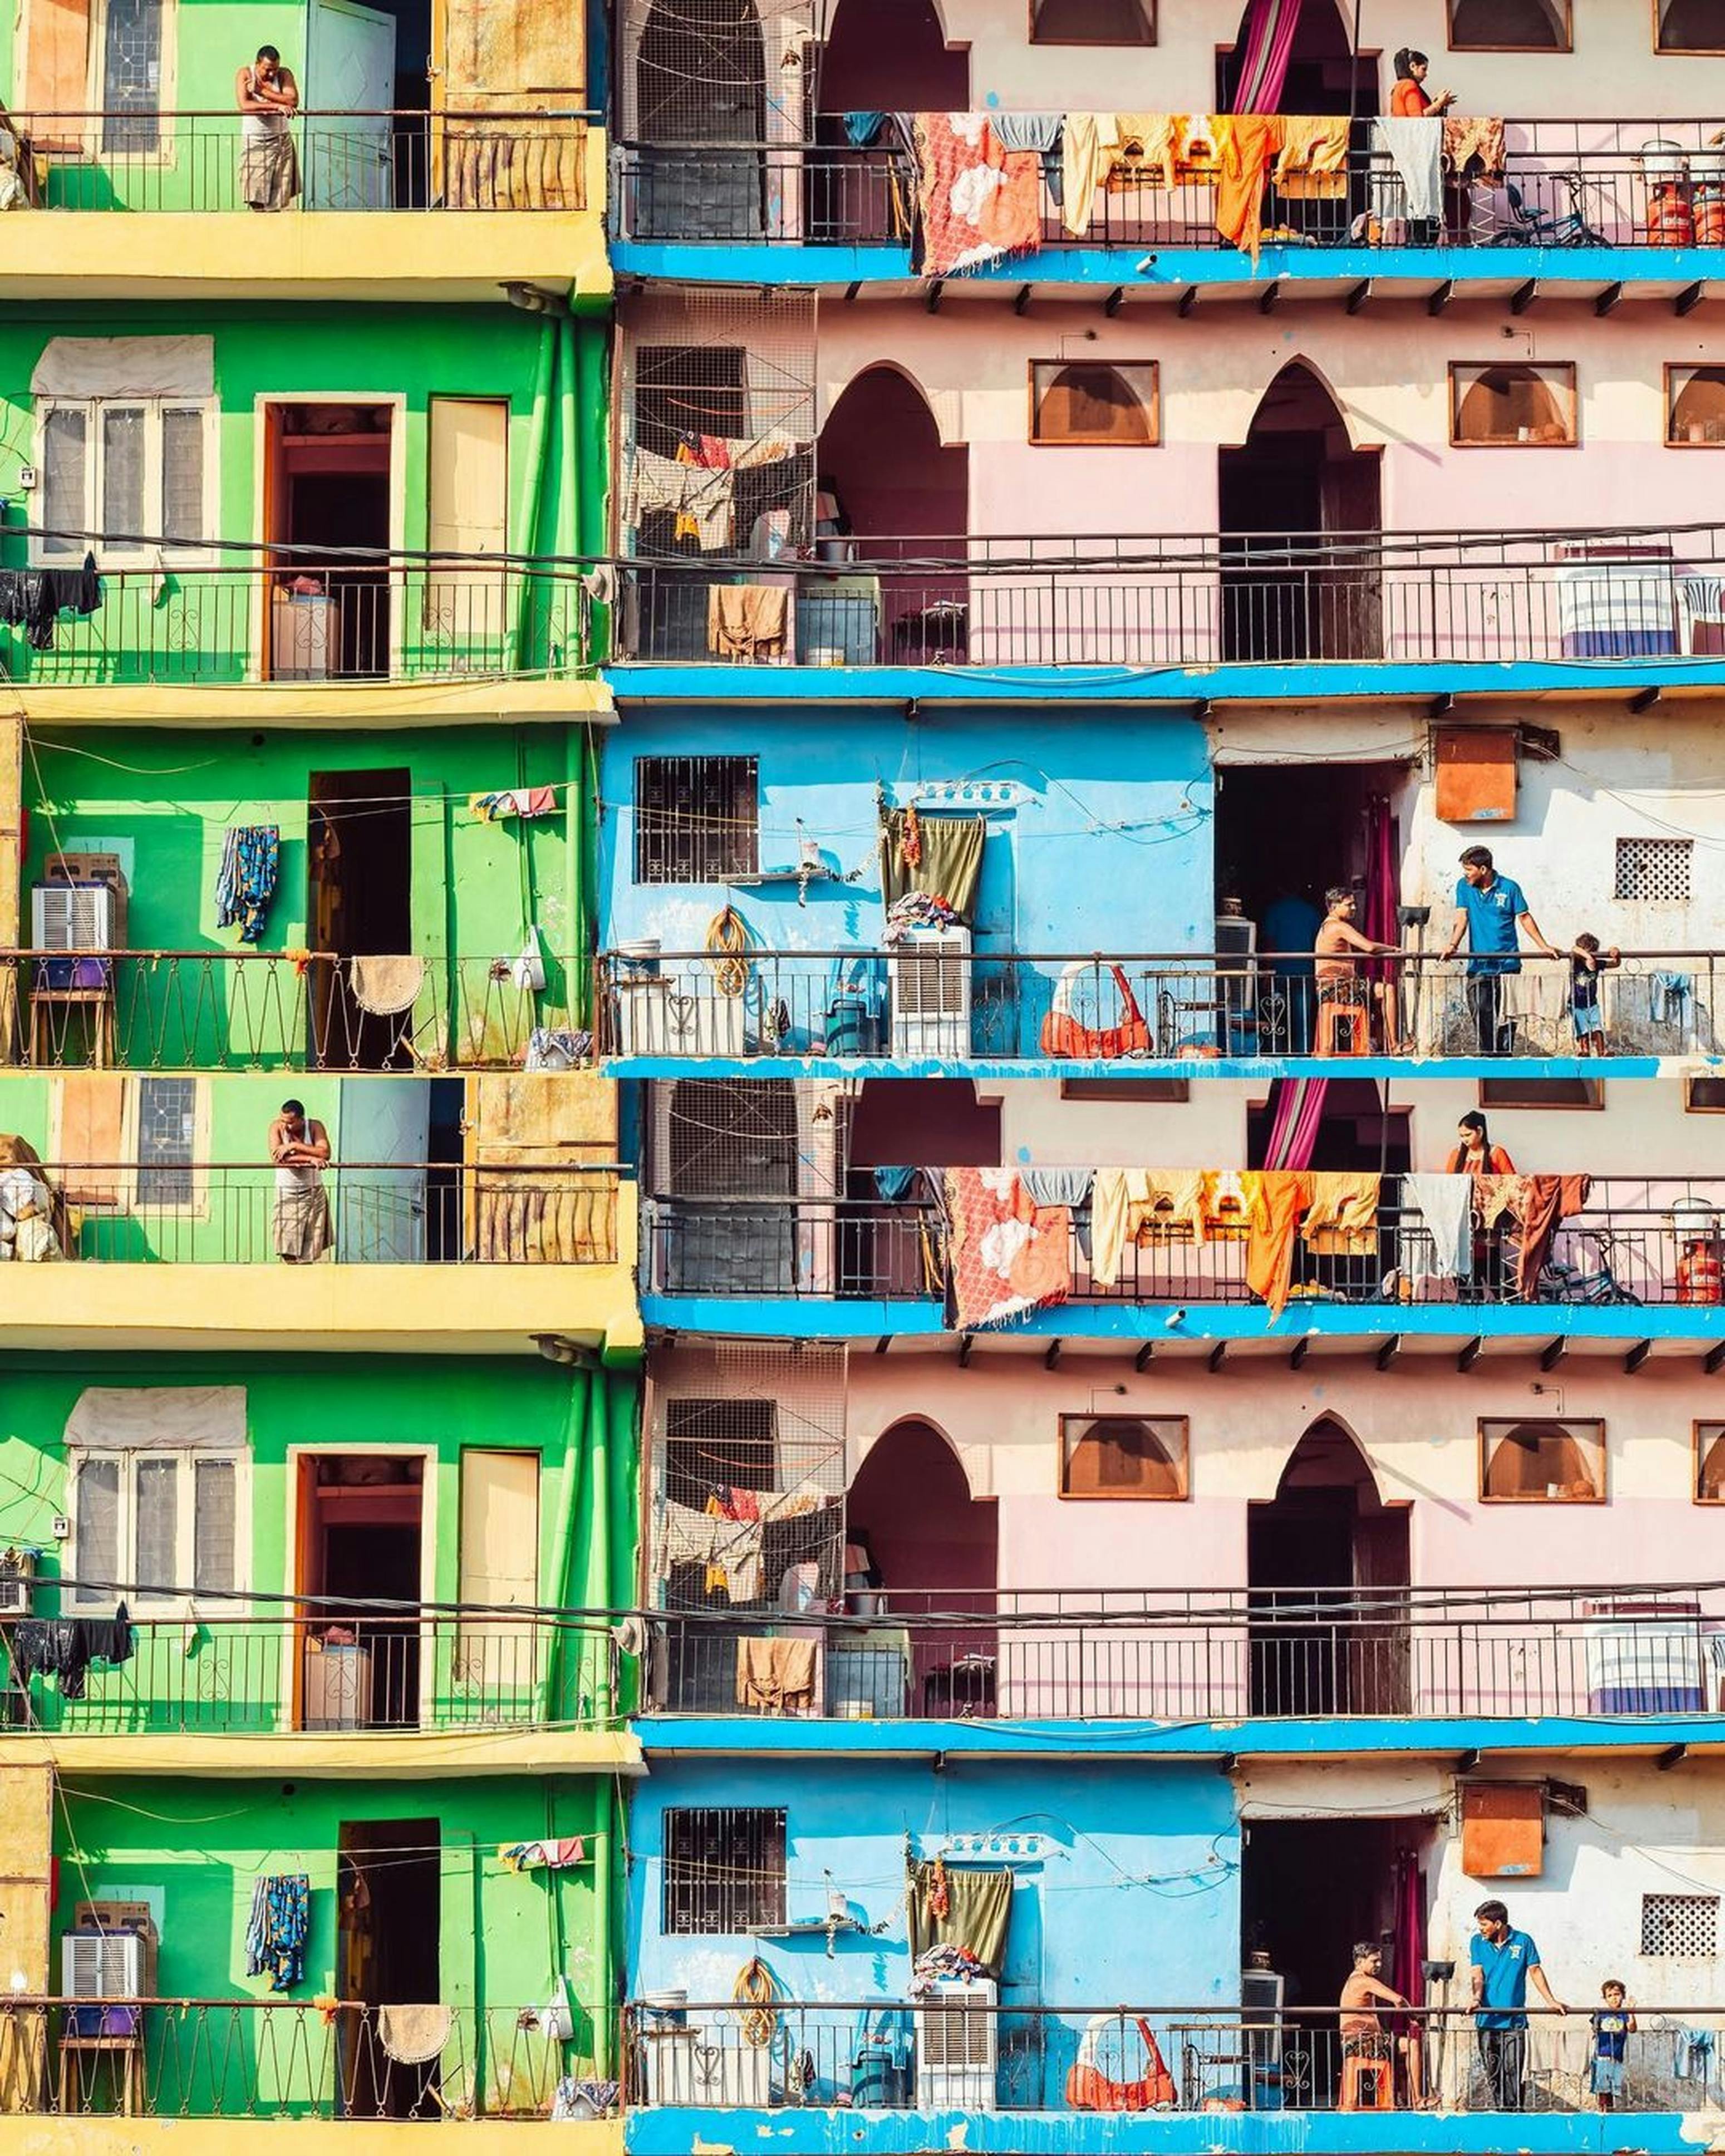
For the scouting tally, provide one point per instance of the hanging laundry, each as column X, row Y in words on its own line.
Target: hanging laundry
column 34, row 600
column 705, row 498
column 560, row 1854
column 1443, row 1205
column 1414, row 147
column 245, row 883
column 748, row 621
column 1246, row 143
column 66, row 1648
column 1039, row 131
column 527, row 802
column 1342, row 1219
column 1547, row 1201
column 910, row 843
column 1008, row 1255
column 863, row 129
column 1089, row 144
column 414, row 2035
column 276, row 1931
column 1312, row 165
column 1149, row 143
column 977, row 202
column 1276, row 1197
column 776, row 1676
column 1470, row 138
column 1127, row 1202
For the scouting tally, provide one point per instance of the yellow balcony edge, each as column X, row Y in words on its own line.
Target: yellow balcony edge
column 82, row 2134
column 375, row 1755
column 310, row 704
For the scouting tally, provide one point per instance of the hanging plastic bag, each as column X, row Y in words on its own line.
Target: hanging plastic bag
column 528, row 971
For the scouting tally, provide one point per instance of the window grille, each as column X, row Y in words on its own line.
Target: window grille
column 1679, row 1924
column 697, row 818
column 1653, row 871
column 724, row 1870
column 131, row 74
column 168, row 1122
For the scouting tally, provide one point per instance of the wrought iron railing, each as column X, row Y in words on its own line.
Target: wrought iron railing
column 926, row 1001
column 1632, row 1243
column 173, row 161
column 283, row 1010
column 1565, row 183
column 955, row 2051
column 1167, row 1655
column 156, row 1212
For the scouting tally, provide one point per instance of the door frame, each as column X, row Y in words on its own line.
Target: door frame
column 265, row 504
column 293, row 1676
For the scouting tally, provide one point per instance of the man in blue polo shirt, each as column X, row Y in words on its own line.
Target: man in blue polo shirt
column 1503, row 1962
column 1489, row 911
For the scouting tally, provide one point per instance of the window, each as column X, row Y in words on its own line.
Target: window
column 158, row 1523
column 1509, row 26
column 1710, row 1463
column 1089, row 402
column 1542, row 1463
column 131, row 43
column 166, row 1140
column 1695, row 408
column 1164, row 1090
column 724, row 1870
column 1704, row 1097
column 1126, row 1456
column 1674, row 1925
column 1093, row 22
column 135, row 468
column 1541, row 1093
column 696, row 818
column 1653, row 871
column 126, row 1141
column 1689, row 26
column 1513, row 406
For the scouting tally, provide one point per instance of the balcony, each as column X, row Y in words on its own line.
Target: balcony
column 1598, row 200
column 277, row 1010
column 913, row 1011
column 406, row 205
column 1626, row 1659
column 1409, row 610
column 475, row 1258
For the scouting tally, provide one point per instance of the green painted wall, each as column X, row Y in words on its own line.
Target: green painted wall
column 163, row 803
column 190, row 627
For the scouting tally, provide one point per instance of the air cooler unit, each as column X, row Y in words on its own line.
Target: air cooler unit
column 928, row 978
column 73, row 917
column 97, row 1967
column 957, row 2028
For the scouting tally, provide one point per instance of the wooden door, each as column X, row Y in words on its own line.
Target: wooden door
column 498, row 1568
column 1378, row 1679
column 490, row 66
column 467, row 513
column 26, row 1908
column 1350, row 619
column 549, row 1121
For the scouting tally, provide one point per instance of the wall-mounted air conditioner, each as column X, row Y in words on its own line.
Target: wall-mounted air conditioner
column 928, row 980
column 74, row 917
column 957, row 2032
column 102, row 1965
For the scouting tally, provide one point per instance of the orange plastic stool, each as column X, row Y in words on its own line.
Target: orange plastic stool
column 1378, row 2078
column 1343, row 1029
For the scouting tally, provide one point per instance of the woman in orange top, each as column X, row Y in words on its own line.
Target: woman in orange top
column 1407, row 101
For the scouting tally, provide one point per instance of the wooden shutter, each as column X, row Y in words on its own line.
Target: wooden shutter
column 1503, row 1830
column 485, row 57
column 1476, row 773
column 56, row 69
column 92, row 1119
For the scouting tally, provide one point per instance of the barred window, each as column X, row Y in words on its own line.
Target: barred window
column 168, row 1130
column 1654, row 871
column 724, row 1870
column 697, row 818
column 1674, row 1925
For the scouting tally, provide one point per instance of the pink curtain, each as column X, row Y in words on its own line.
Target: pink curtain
column 1409, row 1930
column 1383, row 886
column 1293, row 1126
column 1268, row 45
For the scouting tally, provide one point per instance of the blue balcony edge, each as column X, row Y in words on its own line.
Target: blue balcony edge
column 797, row 2132
column 1260, row 1068
column 1293, row 680
column 828, row 1317
column 1177, row 269
column 746, row 1735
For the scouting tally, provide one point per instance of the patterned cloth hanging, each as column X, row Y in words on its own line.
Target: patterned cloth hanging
column 276, row 1931
column 251, row 860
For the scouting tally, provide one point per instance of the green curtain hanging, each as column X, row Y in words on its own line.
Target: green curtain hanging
column 952, row 863
column 978, row 1904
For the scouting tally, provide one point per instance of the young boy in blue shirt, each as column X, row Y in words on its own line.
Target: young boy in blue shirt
column 1613, row 2026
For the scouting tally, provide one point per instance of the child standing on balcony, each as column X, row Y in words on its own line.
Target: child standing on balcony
column 1587, row 962
column 1613, row 2026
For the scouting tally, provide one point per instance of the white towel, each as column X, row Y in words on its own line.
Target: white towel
column 1445, row 1203
column 1415, row 148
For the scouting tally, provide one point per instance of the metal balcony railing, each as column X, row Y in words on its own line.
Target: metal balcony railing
column 1647, row 184
column 277, row 1010
column 161, row 1212
column 927, row 1003
column 1160, row 600
column 1626, row 1246
column 951, row 2052
column 177, row 160
column 283, row 2060
column 369, row 1668
column 1168, row 1655
column 349, row 620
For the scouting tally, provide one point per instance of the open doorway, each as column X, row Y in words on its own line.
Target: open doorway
column 880, row 57
column 389, row 1893
column 359, row 860
column 360, row 1541
column 1323, row 1560
column 1296, row 480
column 1357, row 1134
column 327, row 485
column 1312, row 1889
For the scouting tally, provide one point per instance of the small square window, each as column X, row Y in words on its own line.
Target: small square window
column 1695, row 408
column 1510, row 405
column 1094, row 404
column 1689, row 26
column 1542, row 1463
column 1143, row 1457
column 1093, row 22
column 1169, row 1091
column 1541, row 1093
column 1653, row 871
column 1710, row 1448
column 698, row 819
column 1677, row 1927
column 1509, row 26
column 1704, row 1097
column 724, row 1870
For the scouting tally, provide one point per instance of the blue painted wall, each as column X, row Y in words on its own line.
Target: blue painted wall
column 1135, row 1895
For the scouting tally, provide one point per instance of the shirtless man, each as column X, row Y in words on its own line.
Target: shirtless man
column 1337, row 942
column 1363, row 2035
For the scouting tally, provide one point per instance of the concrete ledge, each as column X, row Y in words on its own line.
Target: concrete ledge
column 87, row 2134
column 327, row 1755
column 310, row 704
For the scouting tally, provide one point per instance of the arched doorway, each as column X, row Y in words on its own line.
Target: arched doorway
column 1323, row 75
column 729, row 1166
column 1323, row 1641
column 1294, row 483
column 935, row 1549
column 900, row 496
column 700, row 78
column 880, row 57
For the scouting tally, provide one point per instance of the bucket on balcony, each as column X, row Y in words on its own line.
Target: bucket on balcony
column 668, row 2009
column 637, row 960
column 1664, row 162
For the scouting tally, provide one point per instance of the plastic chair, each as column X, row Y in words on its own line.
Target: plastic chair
column 1368, row 2084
